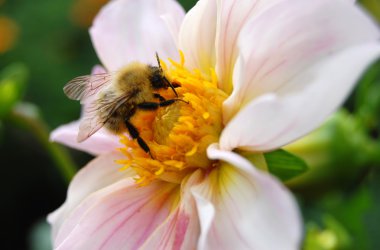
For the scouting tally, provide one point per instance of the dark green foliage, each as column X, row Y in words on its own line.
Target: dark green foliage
column 285, row 165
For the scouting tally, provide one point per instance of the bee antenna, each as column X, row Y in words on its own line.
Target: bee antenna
column 158, row 61
column 165, row 79
column 171, row 86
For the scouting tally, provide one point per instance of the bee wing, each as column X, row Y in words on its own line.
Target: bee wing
column 96, row 114
column 82, row 87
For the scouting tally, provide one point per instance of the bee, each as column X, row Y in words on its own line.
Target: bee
column 111, row 99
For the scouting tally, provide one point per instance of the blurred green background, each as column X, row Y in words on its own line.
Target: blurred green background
column 44, row 44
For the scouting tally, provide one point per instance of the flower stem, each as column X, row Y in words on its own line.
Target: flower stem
column 26, row 116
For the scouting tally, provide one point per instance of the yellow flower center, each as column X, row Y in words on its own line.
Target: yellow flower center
column 178, row 135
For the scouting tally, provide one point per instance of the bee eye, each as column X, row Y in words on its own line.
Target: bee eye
column 157, row 80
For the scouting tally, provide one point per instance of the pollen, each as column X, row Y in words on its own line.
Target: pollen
column 178, row 135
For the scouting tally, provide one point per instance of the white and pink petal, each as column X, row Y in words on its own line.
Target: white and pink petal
column 243, row 208
column 172, row 14
column 197, row 36
column 97, row 174
column 181, row 229
column 232, row 16
column 99, row 143
column 287, row 39
column 122, row 215
column 129, row 30
column 274, row 120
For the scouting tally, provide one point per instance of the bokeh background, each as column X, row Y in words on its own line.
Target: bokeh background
column 44, row 44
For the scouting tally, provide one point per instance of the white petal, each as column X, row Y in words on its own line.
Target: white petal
column 99, row 173
column 232, row 17
column 206, row 213
column 272, row 121
column 181, row 229
column 120, row 216
column 252, row 210
column 98, row 69
column 130, row 30
column 197, row 36
column 290, row 37
column 172, row 13
column 99, row 143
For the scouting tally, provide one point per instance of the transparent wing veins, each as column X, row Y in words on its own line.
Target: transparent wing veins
column 97, row 114
column 83, row 87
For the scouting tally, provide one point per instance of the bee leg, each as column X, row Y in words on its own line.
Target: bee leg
column 171, row 101
column 159, row 97
column 135, row 135
column 156, row 105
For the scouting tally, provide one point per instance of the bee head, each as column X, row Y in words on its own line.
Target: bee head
column 158, row 79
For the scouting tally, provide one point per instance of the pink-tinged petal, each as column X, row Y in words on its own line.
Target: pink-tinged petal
column 181, row 229
column 206, row 214
column 98, row 69
column 130, row 30
column 290, row 37
column 272, row 121
column 197, row 36
column 232, row 17
column 99, row 173
column 120, row 216
column 173, row 14
column 251, row 209
column 99, row 143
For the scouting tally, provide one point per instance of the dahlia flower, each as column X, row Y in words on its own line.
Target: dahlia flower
column 257, row 75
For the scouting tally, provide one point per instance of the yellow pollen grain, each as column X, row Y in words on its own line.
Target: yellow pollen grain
column 206, row 115
column 178, row 135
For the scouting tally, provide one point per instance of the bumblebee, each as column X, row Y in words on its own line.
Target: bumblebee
column 111, row 99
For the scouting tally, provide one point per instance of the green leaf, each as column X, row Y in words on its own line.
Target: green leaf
column 285, row 165
column 188, row 4
column 12, row 85
column 373, row 7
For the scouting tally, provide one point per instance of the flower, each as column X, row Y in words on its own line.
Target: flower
column 257, row 75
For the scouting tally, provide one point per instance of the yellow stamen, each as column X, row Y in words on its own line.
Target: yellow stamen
column 193, row 150
column 160, row 171
column 173, row 163
column 178, row 135
column 123, row 168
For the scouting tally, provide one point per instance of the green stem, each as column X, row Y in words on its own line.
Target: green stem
column 37, row 127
